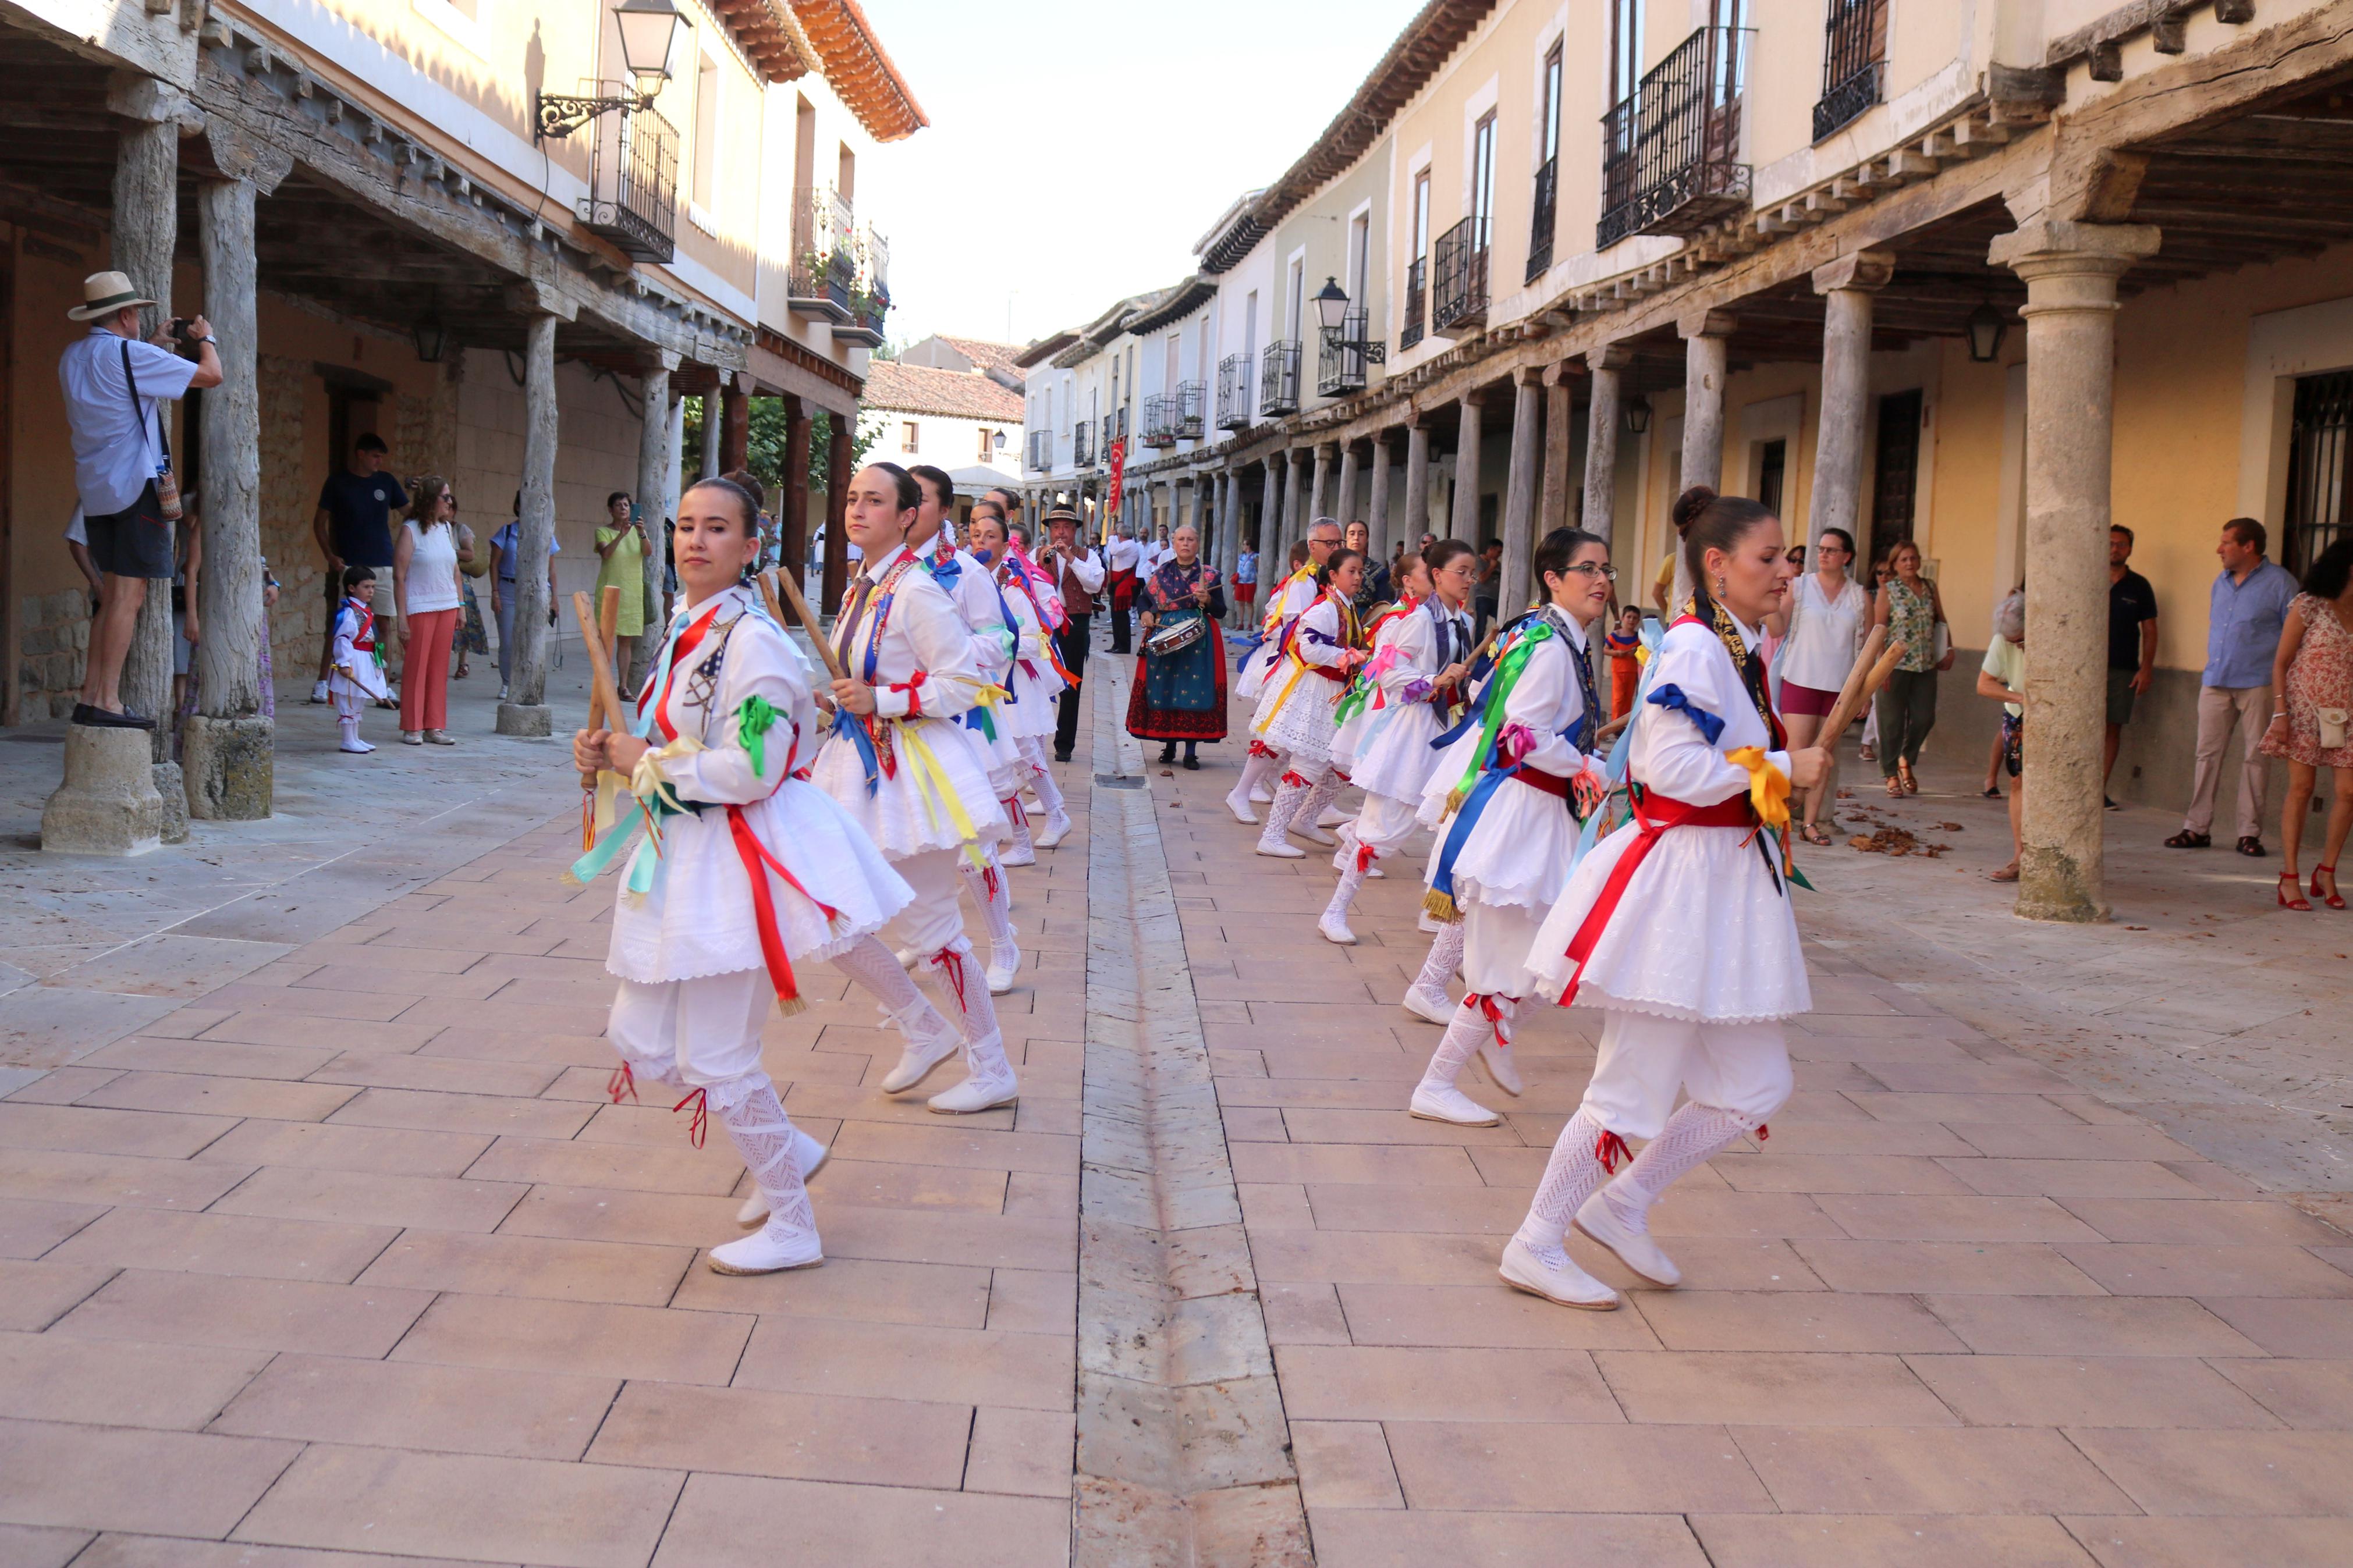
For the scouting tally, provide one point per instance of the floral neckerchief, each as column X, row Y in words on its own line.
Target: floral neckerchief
column 1748, row 662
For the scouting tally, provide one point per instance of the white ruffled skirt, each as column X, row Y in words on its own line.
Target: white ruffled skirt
column 907, row 813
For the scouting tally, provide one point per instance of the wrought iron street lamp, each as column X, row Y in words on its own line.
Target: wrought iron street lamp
column 1637, row 414
column 432, row 340
column 1987, row 329
column 1332, row 310
column 649, row 29
column 1332, row 304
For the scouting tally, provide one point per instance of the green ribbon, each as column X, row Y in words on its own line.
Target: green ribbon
column 1508, row 667
column 754, row 719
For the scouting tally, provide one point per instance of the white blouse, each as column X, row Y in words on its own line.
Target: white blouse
column 1825, row 634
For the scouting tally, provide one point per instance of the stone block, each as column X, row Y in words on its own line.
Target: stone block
column 107, row 804
column 173, row 790
column 527, row 720
column 230, row 767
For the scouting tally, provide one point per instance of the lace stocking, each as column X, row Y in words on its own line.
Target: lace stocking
column 1351, row 877
column 1692, row 1135
column 1050, row 793
column 757, row 1124
column 1445, row 958
column 1327, row 789
column 879, row 975
column 1570, row 1176
column 1023, row 849
column 1464, row 1035
column 987, row 888
column 1256, row 771
column 960, row 978
column 1288, row 800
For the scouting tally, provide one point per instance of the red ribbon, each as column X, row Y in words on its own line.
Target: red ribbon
column 757, row 864
column 688, row 641
column 1292, row 779
column 911, row 686
column 950, row 962
column 1612, row 1150
column 1261, row 749
column 700, row 1128
column 1733, row 813
column 623, row 1081
column 1365, row 855
column 1493, row 1015
column 988, row 881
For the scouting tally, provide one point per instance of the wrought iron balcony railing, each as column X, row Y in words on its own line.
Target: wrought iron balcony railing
column 1459, row 292
column 823, row 279
column 1192, row 398
column 1541, row 219
column 1340, row 364
column 1159, row 420
column 634, row 180
column 1234, row 391
column 1277, row 382
column 1082, row 444
column 1855, row 62
column 1669, row 153
column 1114, row 430
column 1417, row 296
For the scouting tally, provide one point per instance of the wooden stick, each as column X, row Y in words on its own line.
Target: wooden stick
column 609, row 622
column 808, row 620
column 600, row 674
column 1874, row 644
column 1852, row 699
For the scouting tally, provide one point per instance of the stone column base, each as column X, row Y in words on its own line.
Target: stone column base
column 173, row 790
column 107, row 804
column 230, row 765
column 531, row 721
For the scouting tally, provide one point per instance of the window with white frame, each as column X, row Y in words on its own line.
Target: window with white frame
column 909, row 438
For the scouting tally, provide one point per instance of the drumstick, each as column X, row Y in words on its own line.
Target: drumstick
column 808, row 621
column 601, row 691
column 1852, row 699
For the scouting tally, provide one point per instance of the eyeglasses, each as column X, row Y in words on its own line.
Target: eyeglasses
column 1594, row 568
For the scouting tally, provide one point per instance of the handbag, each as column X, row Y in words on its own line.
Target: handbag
column 167, row 483
column 475, row 562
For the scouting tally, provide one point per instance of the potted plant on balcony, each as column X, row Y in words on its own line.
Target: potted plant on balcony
column 867, row 307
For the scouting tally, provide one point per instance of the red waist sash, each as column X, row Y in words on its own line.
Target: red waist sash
column 1554, row 784
column 1656, row 814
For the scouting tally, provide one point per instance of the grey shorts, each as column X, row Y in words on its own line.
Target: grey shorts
column 2120, row 696
column 133, row 543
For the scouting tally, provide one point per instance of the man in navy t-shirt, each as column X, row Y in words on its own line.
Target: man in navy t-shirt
column 353, row 528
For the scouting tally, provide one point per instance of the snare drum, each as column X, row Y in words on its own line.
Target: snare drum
column 1176, row 637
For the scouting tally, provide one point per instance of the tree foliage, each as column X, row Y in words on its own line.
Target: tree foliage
column 764, row 449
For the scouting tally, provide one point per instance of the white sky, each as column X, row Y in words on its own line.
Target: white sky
column 1077, row 150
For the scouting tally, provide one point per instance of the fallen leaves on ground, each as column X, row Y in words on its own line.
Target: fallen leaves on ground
column 1895, row 841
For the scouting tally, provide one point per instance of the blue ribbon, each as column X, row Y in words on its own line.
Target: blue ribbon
column 1670, row 696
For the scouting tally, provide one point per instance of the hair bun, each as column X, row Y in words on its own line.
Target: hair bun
column 1690, row 503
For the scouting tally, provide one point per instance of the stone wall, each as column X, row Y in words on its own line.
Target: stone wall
column 55, row 644
column 289, row 497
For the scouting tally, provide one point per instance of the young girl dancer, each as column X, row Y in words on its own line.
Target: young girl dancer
column 1678, row 925
column 356, row 672
column 913, row 776
column 1416, row 673
column 1288, row 602
column 1038, row 674
column 1518, row 783
column 745, row 871
column 1295, row 716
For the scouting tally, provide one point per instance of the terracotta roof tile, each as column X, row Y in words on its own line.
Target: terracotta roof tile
column 954, row 394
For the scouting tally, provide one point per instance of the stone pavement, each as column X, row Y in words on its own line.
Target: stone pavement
column 320, row 1243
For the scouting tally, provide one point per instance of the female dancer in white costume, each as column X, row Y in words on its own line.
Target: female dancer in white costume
column 1287, row 601
column 916, row 779
column 1037, row 677
column 1295, row 714
column 1678, row 925
column 746, row 870
column 1517, row 783
column 1415, row 675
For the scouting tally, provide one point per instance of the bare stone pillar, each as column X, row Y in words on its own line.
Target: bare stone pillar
column 1269, row 528
column 1417, row 480
column 1319, row 503
column 653, row 478
column 227, row 748
column 1846, row 285
column 528, row 714
column 1229, row 537
column 1344, row 495
column 1706, row 338
column 1377, row 515
column 1606, row 366
column 1295, row 515
column 711, row 422
column 2071, row 271
column 1520, row 494
column 1466, row 473
column 1552, row 504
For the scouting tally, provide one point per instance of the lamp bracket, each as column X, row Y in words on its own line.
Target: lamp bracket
column 561, row 113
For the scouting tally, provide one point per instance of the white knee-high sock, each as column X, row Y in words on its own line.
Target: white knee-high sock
column 1288, row 802
column 1570, row 1176
column 1326, row 790
column 1050, row 793
column 965, row 987
column 1351, row 877
column 1693, row 1135
column 1255, row 771
column 1465, row 1033
column 1023, row 850
column 748, row 1107
column 878, row 972
column 989, row 889
column 1445, row 958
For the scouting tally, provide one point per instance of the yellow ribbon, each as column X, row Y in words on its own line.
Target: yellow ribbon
column 1769, row 787
column 939, row 794
column 1298, row 668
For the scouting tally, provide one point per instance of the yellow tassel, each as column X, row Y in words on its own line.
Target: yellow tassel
column 1454, row 799
column 1439, row 906
column 788, row 1007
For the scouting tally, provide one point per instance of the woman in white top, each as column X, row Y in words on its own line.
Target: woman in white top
column 1678, row 925
column 1821, row 632
column 1509, row 797
column 427, row 601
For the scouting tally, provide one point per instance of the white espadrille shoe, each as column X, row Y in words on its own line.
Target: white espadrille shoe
column 1598, row 1219
column 1443, row 1102
column 809, row 1154
column 1555, row 1277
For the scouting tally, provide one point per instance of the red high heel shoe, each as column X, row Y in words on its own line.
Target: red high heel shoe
column 2288, row 885
column 2335, row 900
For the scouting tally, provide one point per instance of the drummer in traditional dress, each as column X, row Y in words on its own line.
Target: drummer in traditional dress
column 1295, row 717
column 743, row 871
column 901, row 764
column 1678, row 926
column 1286, row 603
column 974, row 588
column 1508, row 798
column 1039, row 675
column 1182, row 693
column 1402, row 698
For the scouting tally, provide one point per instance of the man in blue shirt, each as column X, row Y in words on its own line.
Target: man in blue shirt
column 2248, row 608
column 506, row 545
column 353, row 528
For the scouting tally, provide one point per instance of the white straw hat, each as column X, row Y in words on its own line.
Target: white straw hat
column 103, row 294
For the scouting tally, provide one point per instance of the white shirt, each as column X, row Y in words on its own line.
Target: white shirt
column 116, row 452
column 1124, row 554
column 1825, row 634
column 432, row 569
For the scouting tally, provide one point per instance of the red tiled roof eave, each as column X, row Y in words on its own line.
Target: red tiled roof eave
column 859, row 69
column 948, row 394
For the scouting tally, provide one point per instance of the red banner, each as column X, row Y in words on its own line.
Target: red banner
column 1114, row 502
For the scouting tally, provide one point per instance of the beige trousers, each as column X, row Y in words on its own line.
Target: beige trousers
column 2220, row 707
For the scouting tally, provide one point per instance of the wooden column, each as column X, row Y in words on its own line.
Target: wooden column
column 528, row 713
column 839, row 459
column 1415, row 522
column 795, row 530
column 1520, row 494
column 734, row 426
column 653, row 484
column 146, row 232
column 1377, row 516
column 1552, row 504
column 1466, row 473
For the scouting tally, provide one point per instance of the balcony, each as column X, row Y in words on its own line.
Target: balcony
column 823, row 279
column 1278, row 381
column 1855, row 62
column 869, row 291
column 1114, row 430
column 1340, row 367
column 1668, row 152
column 1541, row 220
column 1417, row 297
column 1041, row 451
column 1159, row 420
column 1459, row 294
column 1082, row 444
column 1192, row 400
column 634, row 176
column 1234, row 393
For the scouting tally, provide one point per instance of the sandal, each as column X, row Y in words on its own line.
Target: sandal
column 2006, row 874
column 1991, row 791
column 1894, row 788
column 2287, row 886
column 2333, row 899
column 1904, row 774
column 1811, row 832
column 2184, row 840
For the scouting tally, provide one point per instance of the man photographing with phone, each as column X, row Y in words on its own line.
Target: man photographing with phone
column 113, row 384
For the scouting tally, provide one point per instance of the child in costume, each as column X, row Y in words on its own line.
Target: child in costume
column 744, row 870
column 1678, row 925
column 1625, row 650
column 1295, row 716
column 355, row 676
column 1038, row 677
column 1287, row 601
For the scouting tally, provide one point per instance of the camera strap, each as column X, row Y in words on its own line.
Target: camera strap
column 138, row 412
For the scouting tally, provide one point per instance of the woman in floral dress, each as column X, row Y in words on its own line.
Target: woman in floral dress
column 2313, row 673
